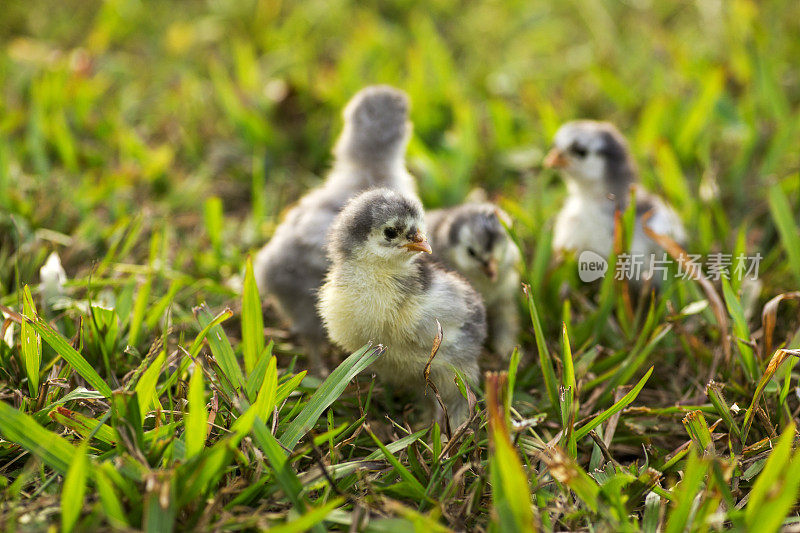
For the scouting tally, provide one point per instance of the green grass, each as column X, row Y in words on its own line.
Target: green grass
column 154, row 145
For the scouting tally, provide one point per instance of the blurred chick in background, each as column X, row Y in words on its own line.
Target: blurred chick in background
column 369, row 153
column 380, row 289
column 471, row 239
column 599, row 170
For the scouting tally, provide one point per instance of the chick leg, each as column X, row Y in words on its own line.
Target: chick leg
column 503, row 328
column 307, row 326
column 315, row 351
column 454, row 401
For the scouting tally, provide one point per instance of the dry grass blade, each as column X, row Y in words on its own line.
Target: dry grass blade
column 437, row 342
column 461, row 430
column 12, row 316
column 619, row 249
column 717, row 305
column 777, row 358
column 603, row 447
column 611, row 426
column 769, row 317
column 6, row 324
column 566, row 471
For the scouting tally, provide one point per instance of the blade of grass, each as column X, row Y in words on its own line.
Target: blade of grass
column 714, row 393
column 652, row 510
column 222, row 350
column 19, row 428
column 31, row 344
column 197, row 417
column 127, row 421
column 139, row 309
column 775, row 491
column 282, row 468
column 548, row 373
column 327, row 393
column 617, row 407
column 146, row 387
column 568, row 370
column 511, row 494
column 696, row 427
column 310, row 518
column 74, row 489
column 741, row 331
column 684, row 495
column 160, row 506
column 62, row 348
column 112, row 505
column 567, row 402
column 198, row 341
column 265, row 401
column 252, row 320
column 69, row 354
column 197, row 476
column 398, row 445
column 256, row 377
column 85, row 426
column 413, row 483
column 513, row 368
column 214, row 220
column 783, row 216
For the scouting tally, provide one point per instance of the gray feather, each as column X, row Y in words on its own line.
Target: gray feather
column 369, row 153
column 477, row 226
column 600, row 173
column 377, row 290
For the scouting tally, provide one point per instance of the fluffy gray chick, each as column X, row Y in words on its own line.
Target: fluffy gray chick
column 599, row 171
column 471, row 239
column 369, row 153
column 381, row 289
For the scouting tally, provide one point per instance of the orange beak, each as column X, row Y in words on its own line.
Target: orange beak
column 490, row 269
column 419, row 243
column 555, row 159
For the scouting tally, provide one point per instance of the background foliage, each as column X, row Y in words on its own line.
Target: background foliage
column 154, row 145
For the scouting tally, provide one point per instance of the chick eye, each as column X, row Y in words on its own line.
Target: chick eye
column 390, row 233
column 471, row 252
column 578, row 150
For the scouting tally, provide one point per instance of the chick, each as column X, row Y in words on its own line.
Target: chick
column 369, row 153
column 471, row 239
column 381, row 289
column 599, row 171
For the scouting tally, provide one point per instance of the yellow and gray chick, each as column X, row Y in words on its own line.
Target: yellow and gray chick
column 471, row 239
column 369, row 153
column 382, row 289
column 599, row 171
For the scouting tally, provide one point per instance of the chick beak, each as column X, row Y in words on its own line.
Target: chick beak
column 490, row 269
column 555, row 159
column 419, row 243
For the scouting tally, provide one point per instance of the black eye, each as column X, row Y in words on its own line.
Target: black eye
column 578, row 150
column 471, row 252
column 390, row 233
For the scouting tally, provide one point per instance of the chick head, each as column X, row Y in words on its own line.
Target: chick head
column 594, row 156
column 376, row 124
column 479, row 242
column 379, row 226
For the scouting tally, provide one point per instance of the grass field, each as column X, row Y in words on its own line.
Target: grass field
column 154, row 146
